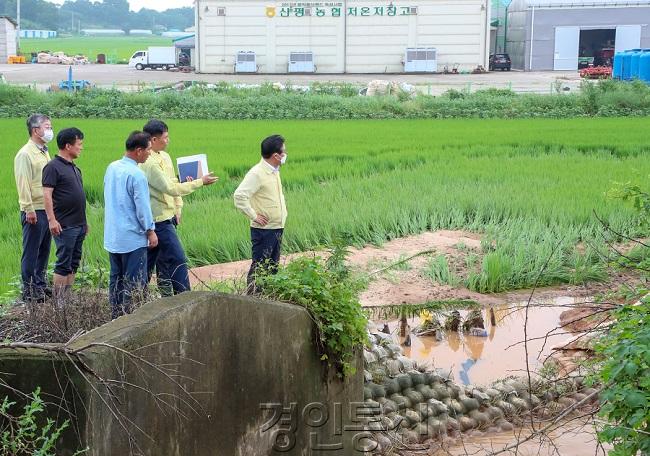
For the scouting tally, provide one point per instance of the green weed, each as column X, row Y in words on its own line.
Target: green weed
column 322, row 101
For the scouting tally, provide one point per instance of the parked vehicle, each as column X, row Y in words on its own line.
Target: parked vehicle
column 155, row 57
column 500, row 61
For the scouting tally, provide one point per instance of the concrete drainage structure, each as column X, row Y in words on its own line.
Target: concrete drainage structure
column 239, row 376
column 213, row 374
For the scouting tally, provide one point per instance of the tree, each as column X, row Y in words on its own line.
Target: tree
column 112, row 14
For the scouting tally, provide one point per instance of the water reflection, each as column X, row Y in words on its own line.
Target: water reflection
column 481, row 360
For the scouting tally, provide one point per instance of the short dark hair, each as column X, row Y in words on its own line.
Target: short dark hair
column 272, row 145
column 155, row 127
column 137, row 140
column 68, row 136
column 34, row 121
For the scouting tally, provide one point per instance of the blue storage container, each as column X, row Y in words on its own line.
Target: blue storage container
column 624, row 63
column 634, row 64
column 644, row 66
column 627, row 63
column 617, row 70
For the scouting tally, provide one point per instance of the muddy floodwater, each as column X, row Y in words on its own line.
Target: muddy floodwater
column 482, row 360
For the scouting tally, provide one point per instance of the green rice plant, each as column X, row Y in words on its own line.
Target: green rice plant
column 496, row 274
column 529, row 186
column 438, row 271
column 120, row 48
column 587, row 267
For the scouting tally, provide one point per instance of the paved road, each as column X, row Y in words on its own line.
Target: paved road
column 126, row 78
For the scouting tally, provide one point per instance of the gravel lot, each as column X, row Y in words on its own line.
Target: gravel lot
column 129, row 79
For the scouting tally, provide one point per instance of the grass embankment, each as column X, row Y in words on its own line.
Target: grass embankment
column 325, row 101
column 118, row 49
column 530, row 185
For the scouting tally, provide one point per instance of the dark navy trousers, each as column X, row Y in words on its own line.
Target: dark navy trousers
column 169, row 260
column 128, row 279
column 36, row 254
column 266, row 251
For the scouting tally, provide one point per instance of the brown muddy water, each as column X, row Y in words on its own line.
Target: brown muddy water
column 482, row 360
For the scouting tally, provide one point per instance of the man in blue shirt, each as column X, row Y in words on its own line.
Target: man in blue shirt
column 129, row 227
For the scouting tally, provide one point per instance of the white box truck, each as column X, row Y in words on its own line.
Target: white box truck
column 154, row 58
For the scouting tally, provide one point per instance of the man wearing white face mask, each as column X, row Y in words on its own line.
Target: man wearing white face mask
column 261, row 199
column 28, row 171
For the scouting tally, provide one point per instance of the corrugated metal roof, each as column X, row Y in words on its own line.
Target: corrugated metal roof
column 10, row 19
column 186, row 41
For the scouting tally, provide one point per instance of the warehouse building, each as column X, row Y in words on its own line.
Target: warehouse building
column 7, row 38
column 568, row 34
column 354, row 36
column 43, row 34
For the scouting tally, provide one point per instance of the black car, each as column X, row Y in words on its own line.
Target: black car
column 500, row 61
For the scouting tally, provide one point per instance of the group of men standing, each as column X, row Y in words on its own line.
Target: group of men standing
column 143, row 208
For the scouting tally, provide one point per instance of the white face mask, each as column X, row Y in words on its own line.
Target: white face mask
column 283, row 160
column 48, row 135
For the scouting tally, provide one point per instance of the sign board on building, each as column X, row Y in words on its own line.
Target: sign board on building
column 336, row 9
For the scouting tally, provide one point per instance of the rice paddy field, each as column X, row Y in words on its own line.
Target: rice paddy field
column 116, row 48
column 530, row 186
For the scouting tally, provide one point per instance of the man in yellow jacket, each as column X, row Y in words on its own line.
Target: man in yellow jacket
column 166, row 194
column 28, row 171
column 260, row 198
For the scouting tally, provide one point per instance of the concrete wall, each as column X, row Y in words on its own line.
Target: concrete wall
column 547, row 19
column 361, row 41
column 3, row 40
column 235, row 354
column 7, row 39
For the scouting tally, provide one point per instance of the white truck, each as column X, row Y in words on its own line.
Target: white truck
column 155, row 57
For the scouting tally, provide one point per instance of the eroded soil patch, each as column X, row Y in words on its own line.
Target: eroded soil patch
column 409, row 283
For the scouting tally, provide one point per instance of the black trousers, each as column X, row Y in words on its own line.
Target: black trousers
column 36, row 254
column 266, row 252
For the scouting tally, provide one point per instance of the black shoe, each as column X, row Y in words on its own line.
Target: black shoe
column 48, row 292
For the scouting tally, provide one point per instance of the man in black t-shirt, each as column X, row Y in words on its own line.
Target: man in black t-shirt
column 65, row 206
